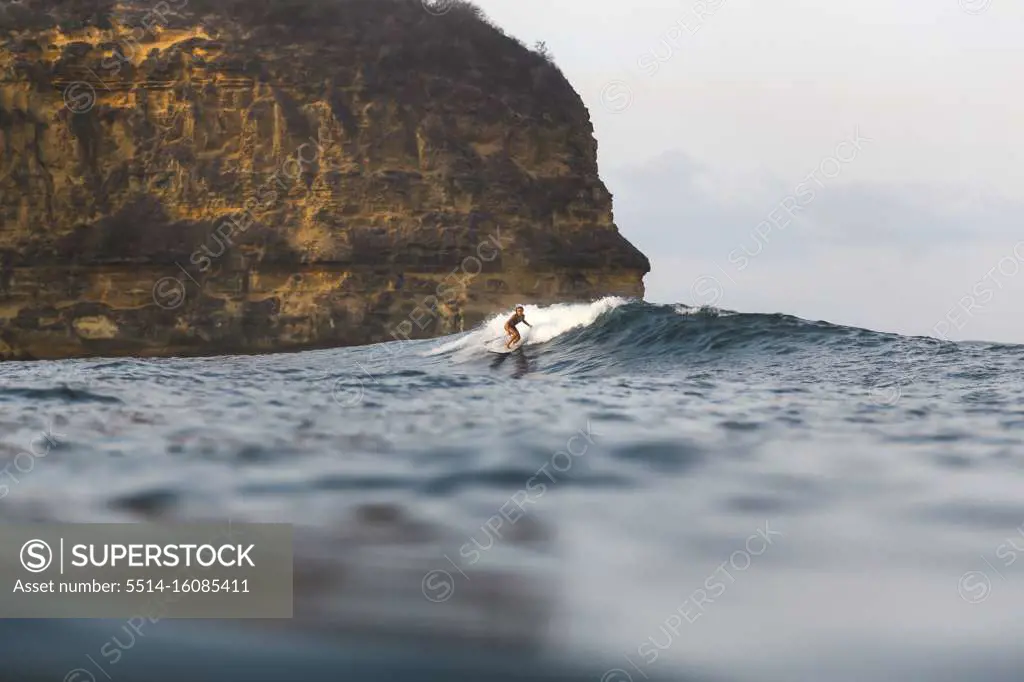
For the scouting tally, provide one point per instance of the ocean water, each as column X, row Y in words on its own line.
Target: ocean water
column 643, row 492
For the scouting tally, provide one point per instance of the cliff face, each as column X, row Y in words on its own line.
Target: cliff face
column 197, row 177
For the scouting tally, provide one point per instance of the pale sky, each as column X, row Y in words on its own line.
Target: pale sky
column 710, row 113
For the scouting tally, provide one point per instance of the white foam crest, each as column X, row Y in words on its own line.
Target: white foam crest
column 705, row 310
column 548, row 322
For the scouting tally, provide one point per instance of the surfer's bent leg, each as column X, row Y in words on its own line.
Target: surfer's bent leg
column 513, row 336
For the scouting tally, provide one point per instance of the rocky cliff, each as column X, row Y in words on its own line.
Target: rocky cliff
column 229, row 176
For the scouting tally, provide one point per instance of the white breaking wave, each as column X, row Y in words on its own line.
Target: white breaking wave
column 548, row 322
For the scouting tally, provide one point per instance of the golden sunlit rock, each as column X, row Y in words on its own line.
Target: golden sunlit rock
column 197, row 177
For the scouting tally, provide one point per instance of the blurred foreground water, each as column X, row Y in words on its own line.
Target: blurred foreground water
column 644, row 492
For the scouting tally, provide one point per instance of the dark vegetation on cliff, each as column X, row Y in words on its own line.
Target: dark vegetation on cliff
column 69, row 15
column 140, row 137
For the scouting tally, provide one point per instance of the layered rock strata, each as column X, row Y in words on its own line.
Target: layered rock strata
column 195, row 177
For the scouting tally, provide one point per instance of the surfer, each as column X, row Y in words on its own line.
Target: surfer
column 510, row 326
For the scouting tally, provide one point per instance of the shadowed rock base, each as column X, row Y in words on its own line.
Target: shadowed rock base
column 265, row 310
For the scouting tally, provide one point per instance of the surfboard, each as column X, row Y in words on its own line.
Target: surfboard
column 498, row 346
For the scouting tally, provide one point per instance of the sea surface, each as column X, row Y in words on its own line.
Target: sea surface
column 643, row 492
